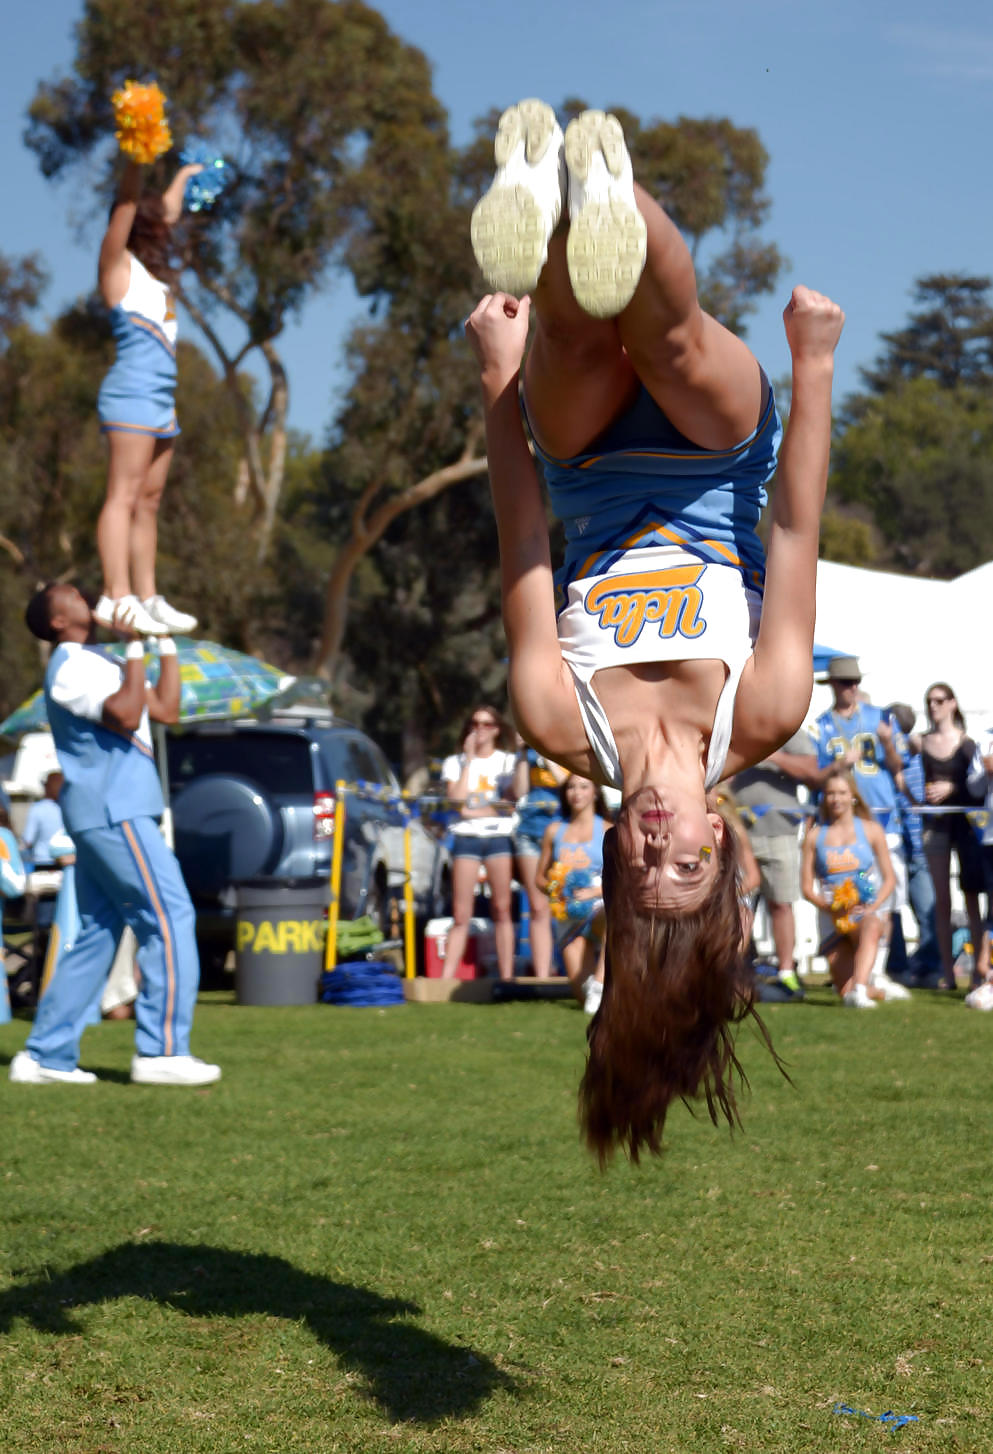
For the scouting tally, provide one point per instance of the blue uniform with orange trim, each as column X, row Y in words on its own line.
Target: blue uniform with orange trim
column 138, row 394
column 643, row 483
column 663, row 562
column 124, row 872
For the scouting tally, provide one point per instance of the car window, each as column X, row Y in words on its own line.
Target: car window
column 352, row 758
column 278, row 762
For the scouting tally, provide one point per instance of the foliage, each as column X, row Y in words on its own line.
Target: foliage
column 915, row 449
column 380, row 1232
column 948, row 338
column 333, row 134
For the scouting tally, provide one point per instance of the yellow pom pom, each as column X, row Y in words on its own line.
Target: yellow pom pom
column 142, row 130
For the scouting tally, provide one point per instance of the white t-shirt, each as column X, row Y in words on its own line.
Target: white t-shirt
column 85, row 680
column 490, row 779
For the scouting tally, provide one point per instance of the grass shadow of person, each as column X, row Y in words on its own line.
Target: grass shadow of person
column 411, row 1374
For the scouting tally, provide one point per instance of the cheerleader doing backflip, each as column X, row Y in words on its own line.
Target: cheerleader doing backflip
column 666, row 654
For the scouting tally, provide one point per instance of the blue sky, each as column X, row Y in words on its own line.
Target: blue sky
column 877, row 118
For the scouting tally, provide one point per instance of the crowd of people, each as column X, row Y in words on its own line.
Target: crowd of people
column 862, row 817
column 887, row 814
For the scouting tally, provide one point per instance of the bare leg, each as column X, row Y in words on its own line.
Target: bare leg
column 145, row 522
column 130, row 460
column 573, row 957
column 581, row 372
column 705, row 380
column 841, row 962
column 498, row 873
column 865, row 949
column 577, row 376
column 465, row 877
column 783, row 934
column 541, row 917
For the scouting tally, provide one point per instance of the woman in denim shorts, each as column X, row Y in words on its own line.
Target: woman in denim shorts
column 480, row 780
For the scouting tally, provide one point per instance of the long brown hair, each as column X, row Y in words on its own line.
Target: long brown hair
column 957, row 717
column 675, row 988
column 505, row 735
column 150, row 239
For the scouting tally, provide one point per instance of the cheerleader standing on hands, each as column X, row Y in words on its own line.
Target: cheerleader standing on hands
column 652, row 662
column 136, row 403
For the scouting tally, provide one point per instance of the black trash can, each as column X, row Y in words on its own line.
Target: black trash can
column 280, row 935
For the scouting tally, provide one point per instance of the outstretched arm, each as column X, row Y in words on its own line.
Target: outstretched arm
column 777, row 691
column 543, row 701
column 114, row 268
column 172, row 197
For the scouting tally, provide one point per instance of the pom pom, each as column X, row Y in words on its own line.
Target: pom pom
column 142, row 130
column 203, row 189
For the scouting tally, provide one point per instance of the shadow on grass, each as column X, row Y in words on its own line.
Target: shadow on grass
column 410, row 1373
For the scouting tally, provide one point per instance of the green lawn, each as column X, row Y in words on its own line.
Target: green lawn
column 380, row 1232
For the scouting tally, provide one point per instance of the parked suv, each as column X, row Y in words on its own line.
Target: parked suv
column 256, row 801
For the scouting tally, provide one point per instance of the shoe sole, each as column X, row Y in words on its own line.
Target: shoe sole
column 182, row 1084
column 608, row 239
column 509, row 229
column 150, row 628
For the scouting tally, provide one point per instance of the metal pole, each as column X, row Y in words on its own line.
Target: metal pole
column 337, row 849
column 409, row 948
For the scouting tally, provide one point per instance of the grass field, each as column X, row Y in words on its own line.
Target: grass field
column 379, row 1232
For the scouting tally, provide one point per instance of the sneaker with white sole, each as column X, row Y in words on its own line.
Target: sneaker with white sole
column 512, row 223
column 858, row 999
column 172, row 1070
column 981, row 998
column 592, row 995
column 888, row 988
column 25, row 1070
column 127, row 611
column 168, row 617
column 608, row 239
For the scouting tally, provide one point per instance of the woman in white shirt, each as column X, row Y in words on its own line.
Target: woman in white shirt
column 480, row 779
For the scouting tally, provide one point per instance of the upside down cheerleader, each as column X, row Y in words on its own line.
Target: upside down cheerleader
column 665, row 655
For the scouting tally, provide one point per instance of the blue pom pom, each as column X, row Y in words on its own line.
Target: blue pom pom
column 203, row 189
column 575, row 881
column 865, row 886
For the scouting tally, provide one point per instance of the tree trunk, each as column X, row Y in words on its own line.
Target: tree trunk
column 366, row 531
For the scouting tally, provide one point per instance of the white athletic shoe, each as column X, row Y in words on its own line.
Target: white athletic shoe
column 167, row 616
column 607, row 234
column 858, row 999
column 981, row 998
column 28, row 1071
column 127, row 611
column 172, row 1070
column 888, row 988
column 592, row 996
column 512, row 222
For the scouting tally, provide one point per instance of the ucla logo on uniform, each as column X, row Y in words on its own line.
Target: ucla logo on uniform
column 671, row 597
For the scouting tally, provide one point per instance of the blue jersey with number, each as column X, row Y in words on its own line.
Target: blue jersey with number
column 836, row 734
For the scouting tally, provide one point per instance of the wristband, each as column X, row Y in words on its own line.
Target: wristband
column 167, row 647
column 135, row 651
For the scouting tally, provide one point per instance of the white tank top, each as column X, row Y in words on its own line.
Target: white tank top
column 659, row 603
column 150, row 299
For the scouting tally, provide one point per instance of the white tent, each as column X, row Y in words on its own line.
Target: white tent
column 907, row 632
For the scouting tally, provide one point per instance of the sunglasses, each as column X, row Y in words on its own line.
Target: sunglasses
column 937, row 701
column 483, row 722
